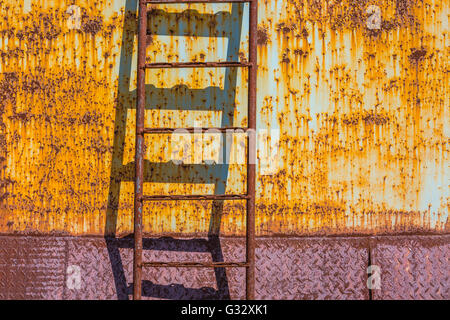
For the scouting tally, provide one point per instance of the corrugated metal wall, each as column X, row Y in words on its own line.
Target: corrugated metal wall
column 363, row 116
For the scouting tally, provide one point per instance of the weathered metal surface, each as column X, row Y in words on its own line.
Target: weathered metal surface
column 362, row 113
column 32, row 268
column 412, row 267
column 305, row 268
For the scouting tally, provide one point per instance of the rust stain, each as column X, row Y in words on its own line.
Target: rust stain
column 91, row 25
column 7, row 98
column 263, row 36
column 362, row 115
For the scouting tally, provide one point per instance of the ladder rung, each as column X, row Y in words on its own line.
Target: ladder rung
column 196, row 197
column 196, row 64
column 192, row 130
column 196, row 264
column 196, row 1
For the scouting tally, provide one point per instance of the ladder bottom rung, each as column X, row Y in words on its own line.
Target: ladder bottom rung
column 222, row 64
column 196, row 197
column 196, row 264
column 195, row 1
column 194, row 130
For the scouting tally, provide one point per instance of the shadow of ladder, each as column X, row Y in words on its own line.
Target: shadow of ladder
column 169, row 172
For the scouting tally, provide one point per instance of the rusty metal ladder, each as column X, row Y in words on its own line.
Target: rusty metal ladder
column 139, row 198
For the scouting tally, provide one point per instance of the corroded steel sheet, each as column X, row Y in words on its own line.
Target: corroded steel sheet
column 32, row 268
column 287, row 268
column 305, row 268
column 359, row 96
column 412, row 268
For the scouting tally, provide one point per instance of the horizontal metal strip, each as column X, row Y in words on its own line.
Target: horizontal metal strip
column 196, row 197
column 196, row 264
column 196, row 64
column 192, row 129
column 196, row 1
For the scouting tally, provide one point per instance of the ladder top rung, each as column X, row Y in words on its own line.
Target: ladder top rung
column 196, row 264
column 194, row 130
column 196, row 197
column 196, row 64
column 196, row 1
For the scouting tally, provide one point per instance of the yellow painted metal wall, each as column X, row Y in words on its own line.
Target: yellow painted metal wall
column 362, row 112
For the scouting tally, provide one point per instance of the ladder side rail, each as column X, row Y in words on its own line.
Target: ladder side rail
column 139, row 159
column 251, row 152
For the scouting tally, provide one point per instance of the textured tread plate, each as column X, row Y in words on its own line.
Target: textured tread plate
column 286, row 268
column 412, row 267
column 32, row 268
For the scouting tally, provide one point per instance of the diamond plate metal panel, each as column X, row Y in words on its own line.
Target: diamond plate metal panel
column 412, row 267
column 287, row 268
column 312, row 268
column 95, row 263
column 32, row 268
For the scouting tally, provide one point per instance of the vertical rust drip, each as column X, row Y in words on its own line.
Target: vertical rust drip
column 139, row 160
column 251, row 154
